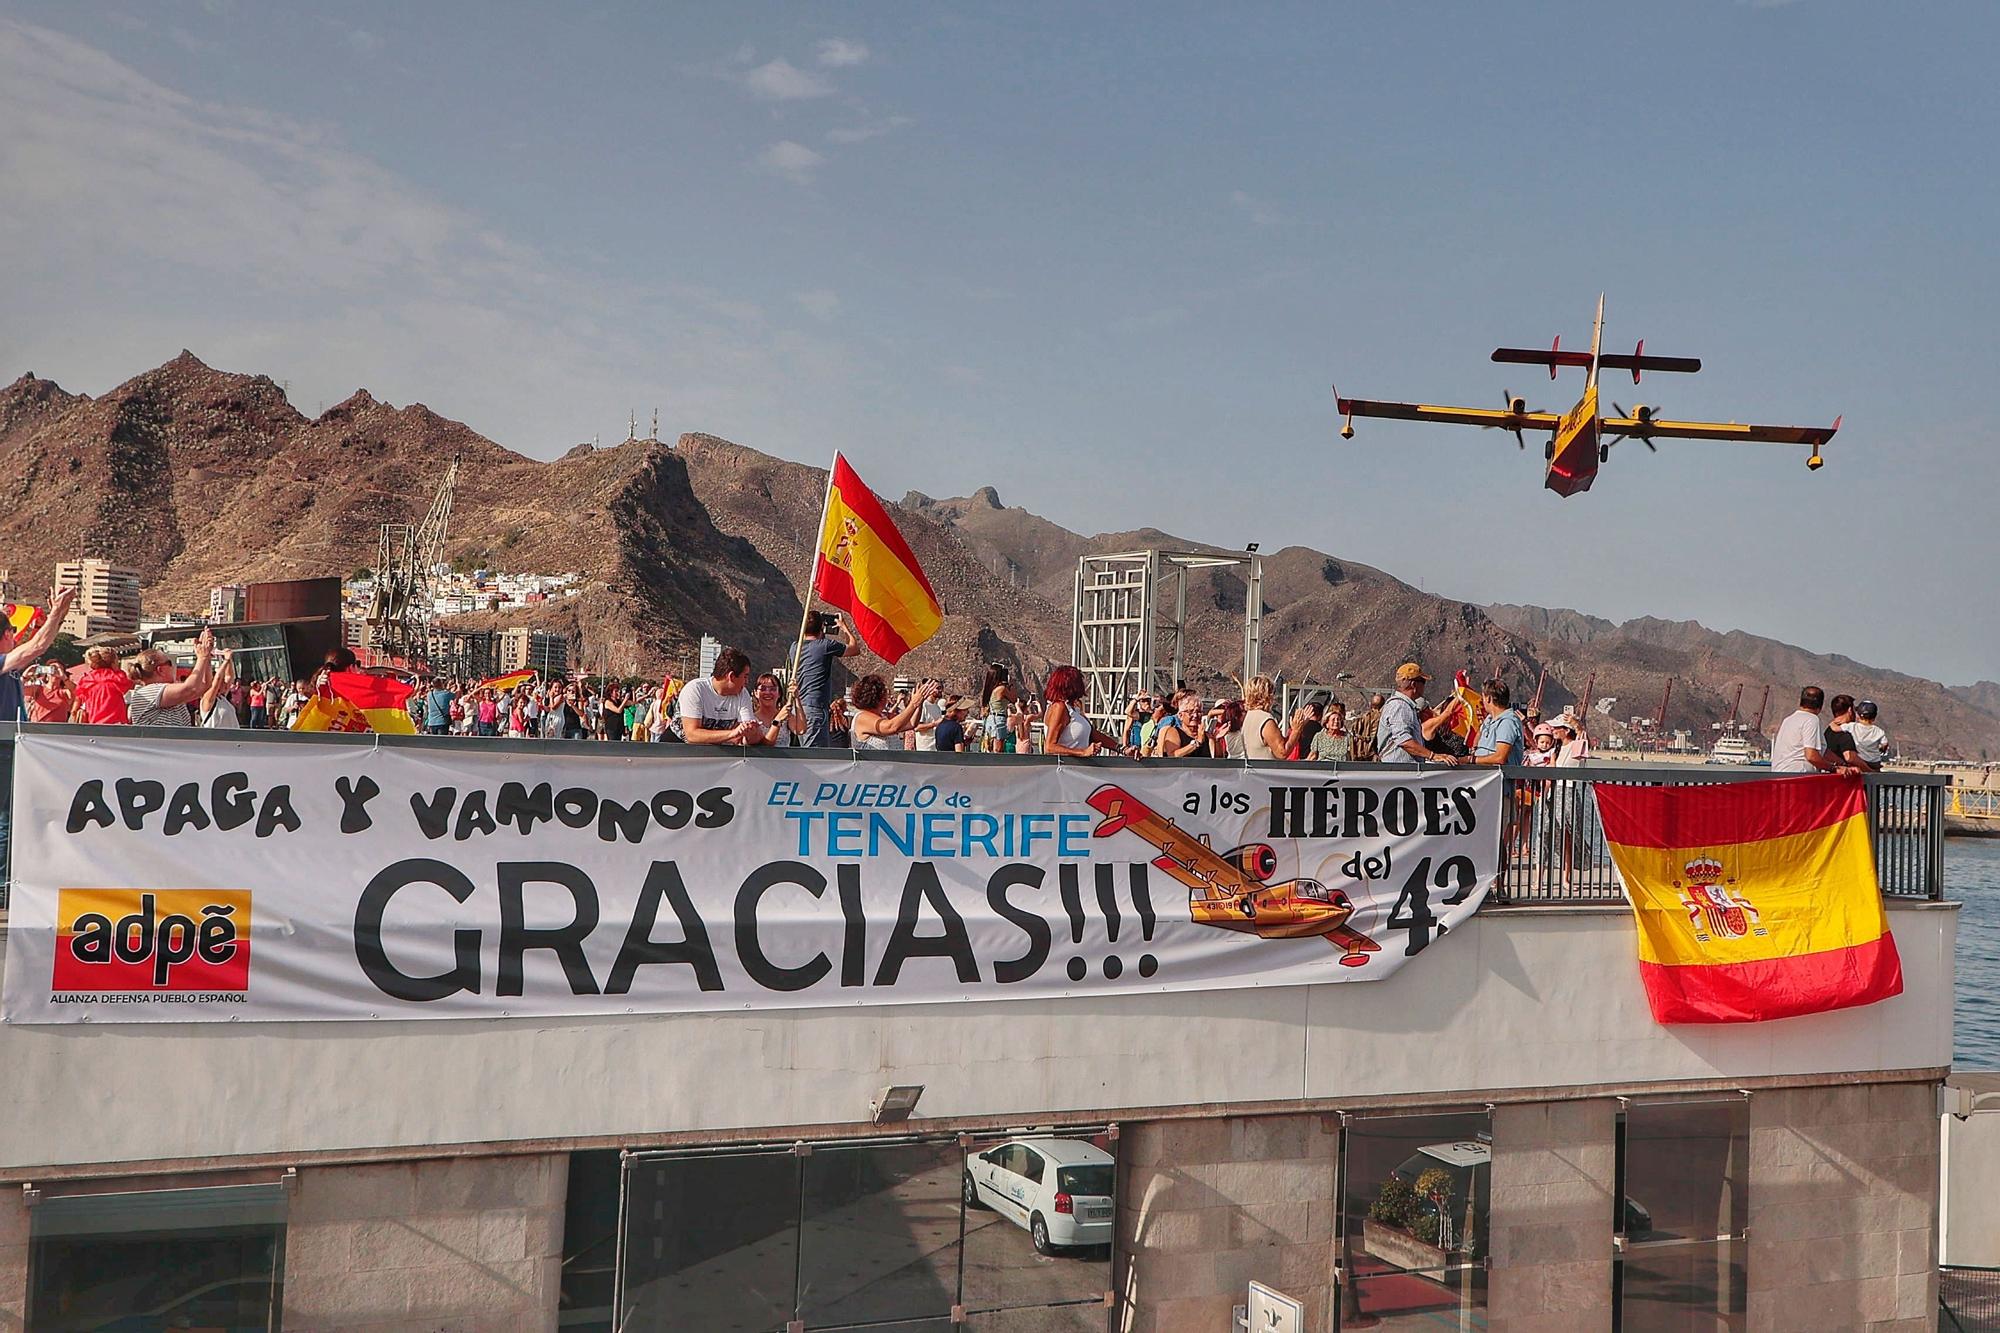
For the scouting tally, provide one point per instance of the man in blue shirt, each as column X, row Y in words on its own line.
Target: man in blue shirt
column 812, row 682
column 1500, row 736
column 1403, row 735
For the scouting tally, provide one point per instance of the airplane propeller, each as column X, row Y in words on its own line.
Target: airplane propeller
column 1644, row 416
column 1515, row 406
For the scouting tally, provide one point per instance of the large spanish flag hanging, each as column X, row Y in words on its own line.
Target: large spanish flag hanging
column 1755, row 899
column 866, row 569
column 357, row 701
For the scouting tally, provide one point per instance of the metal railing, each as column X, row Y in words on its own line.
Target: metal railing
column 1968, row 1299
column 1553, row 849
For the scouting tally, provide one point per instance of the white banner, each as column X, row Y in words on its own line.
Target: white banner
column 210, row 880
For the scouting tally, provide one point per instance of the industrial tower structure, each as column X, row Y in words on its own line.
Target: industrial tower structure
column 406, row 564
column 1129, row 623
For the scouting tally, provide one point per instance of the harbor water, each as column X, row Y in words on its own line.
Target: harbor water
column 1972, row 876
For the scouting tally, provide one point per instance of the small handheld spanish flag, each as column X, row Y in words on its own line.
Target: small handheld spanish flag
column 865, row 568
column 1754, row 900
column 24, row 618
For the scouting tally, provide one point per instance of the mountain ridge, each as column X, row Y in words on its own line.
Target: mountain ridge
column 198, row 476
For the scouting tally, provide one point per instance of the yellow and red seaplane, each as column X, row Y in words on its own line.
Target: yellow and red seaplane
column 1581, row 438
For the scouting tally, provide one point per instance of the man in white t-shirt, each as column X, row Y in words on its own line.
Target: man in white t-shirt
column 929, row 713
column 719, row 710
column 1800, row 745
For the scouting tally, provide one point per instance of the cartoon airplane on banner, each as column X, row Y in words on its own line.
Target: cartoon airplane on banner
column 1232, row 890
column 1581, row 439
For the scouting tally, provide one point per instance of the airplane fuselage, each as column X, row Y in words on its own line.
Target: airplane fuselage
column 1573, row 452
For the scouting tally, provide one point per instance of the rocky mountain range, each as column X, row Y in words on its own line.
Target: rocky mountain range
column 197, row 476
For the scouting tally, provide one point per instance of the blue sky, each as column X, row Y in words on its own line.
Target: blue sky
column 1108, row 259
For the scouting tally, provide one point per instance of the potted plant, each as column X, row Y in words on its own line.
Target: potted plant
column 1411, row 1223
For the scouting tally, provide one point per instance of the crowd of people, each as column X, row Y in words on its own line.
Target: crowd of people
column 734, row 706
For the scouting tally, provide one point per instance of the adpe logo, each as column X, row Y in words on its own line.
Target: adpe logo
column 152, row 940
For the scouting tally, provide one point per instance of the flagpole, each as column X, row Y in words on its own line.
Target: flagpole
column 806, row 593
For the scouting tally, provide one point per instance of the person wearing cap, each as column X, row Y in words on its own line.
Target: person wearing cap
column 1871, row 743
column 950, row 730
column 1840, row 742
column 1572, row 743
column 1403, row 734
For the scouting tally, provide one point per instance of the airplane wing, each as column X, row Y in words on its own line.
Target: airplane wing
column 1182, row 854
column 1719, row 430
column 1540, row 356
column 1678, row 365
column 1456, row 416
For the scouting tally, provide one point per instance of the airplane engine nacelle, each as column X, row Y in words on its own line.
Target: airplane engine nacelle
column 1257, row 860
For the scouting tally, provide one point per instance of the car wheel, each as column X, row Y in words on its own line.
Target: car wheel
column 972, row 1193
column 1039, row 1231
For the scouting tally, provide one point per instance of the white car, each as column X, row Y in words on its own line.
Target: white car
column 1059, row 1189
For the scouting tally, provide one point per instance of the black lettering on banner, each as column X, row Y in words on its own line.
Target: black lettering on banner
column 1288, row 812
column 673, row 808
column 473, row 817
column 922, row 887
column 1468, row 818
column 139, row 797
column 750, row 949
column 1357, row 813
column 184, row 810
column 1437, row 804
column 374, row 959
column 664, row 884
column 176, row 946
column 434, row 815
column 132, row 937
column 234, row 806
column 1032, row 924
column 854, row 926
column 1325, row 797
column 1399, row 811
column 277, row 813
column 90, row 938
column 1412, row 911
column 614, row 818
column 521, row 807
column 354, row 799
column 216, row 940
column 89, row 807
column 565, row 942
column 715, row 808
column 576, row 806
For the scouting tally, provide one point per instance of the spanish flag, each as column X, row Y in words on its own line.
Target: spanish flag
column 24, row 618
column 357, row 701
column 1755, row 899
column 865, row 568
column 512, row 680
column 1471, row 713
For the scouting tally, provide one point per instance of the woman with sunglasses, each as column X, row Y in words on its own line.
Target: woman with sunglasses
column 782, row 725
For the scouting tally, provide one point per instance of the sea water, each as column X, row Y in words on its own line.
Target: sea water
column 1972, row 876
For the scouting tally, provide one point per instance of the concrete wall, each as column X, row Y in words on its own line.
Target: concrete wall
column 1971, row 1224
column 1844, row 1209
column 1554, row 1173
column 473, row 1245
column 1517, row 999
column 1208, row 1205
column 13, row 1262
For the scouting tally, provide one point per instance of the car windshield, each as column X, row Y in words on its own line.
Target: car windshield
column 1085, row 1179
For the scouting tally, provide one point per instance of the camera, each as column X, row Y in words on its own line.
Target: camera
column 829, row 621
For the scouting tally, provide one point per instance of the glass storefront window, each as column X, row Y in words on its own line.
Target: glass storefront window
column 590, row 1242
column 1414, row 1192
column 879, row 1234
column 158, row 1259
column 888, row 1235
column 1039, row 1222
column 711, row 1242
column 1684, row 1206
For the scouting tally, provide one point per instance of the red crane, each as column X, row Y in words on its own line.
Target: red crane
column 1729, row 727
column 1759, row 727
column 1660, row 722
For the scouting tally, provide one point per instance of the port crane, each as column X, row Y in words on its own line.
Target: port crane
column 1580, row 439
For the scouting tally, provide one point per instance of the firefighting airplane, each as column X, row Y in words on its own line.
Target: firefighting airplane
column 1580, row 439
column 1234, row 890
